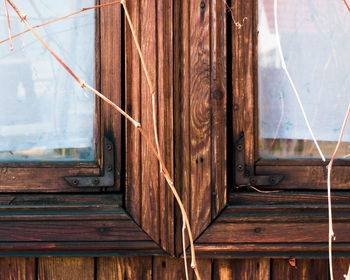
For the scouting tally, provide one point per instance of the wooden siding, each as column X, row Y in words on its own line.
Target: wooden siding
column 144, row 268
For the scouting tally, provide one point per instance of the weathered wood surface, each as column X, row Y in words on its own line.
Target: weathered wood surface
column 111, row 75
column 54, row 268
column 165, row 83
column 243, row 75
column 147, row 268
column 124, row 268
column 77, row 224
column 18, row 269
column 148, row 198
column 200, row 110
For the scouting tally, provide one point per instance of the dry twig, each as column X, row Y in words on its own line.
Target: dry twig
column 347, row 5
column 155, row 151
column 331, row 235
column 236, row 23
column 60, row 18
column 9, row 25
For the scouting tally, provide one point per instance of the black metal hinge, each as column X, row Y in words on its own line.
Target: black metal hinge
column 246, row 177
column 106, row 179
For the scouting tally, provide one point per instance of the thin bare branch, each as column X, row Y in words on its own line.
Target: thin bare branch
column 331, row 235
column 145, row 70
column 60, row 18
column 236, row 23
column 184, row 248
column 9, row 25
column 154, row 150
column 347, row 5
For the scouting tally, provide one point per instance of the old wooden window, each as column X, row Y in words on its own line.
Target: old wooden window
column 282, row 210
column 41, row 211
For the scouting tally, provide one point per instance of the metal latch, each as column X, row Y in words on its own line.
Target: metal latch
column 107, row 177
column 246, row 177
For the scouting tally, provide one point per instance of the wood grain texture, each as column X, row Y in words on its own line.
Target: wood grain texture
column 182, row 87
column 133, row 108
column 277, row 224
column 340, row 267
column 200, row 115
column 124, row 268
column 110, row 32
column 304, row 269
column 218, row 103
column 243, row 48
column 54, row 268
column 308, row 177
column 150, row 215
column 173, row 268
column 249, row 269
column 17, row 268
column 166, row 118
column 43, row 179
column 69, row 224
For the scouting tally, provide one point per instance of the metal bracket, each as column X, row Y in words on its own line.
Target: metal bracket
column 107, row 177
column 246, row 177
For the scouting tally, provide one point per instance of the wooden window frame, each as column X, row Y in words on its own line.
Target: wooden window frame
column 235, row 222
column 42, row 215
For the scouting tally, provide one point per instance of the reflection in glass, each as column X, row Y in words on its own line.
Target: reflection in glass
column 315, row 38
column 44, row 114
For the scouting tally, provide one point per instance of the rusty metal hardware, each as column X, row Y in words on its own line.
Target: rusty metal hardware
column 246, row 176
column 106, row 179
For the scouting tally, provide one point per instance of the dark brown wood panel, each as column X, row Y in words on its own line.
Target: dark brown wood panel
column 133, row 108
column 124, row 268
column 148, row 197
column 69, row 225
column 200, row 115
column 150, row 213
column 277, row 224
column 110, row 32
column 17, row 268
column 249, row 269
column 44, row 179
column 166, row 117
column 55, row 268
column 243, row 58
column 182, row 87
column 200, row 110
column 173, row 268
column 218, row 103
column 307, row 177
column 300, row 269
column 340, row 267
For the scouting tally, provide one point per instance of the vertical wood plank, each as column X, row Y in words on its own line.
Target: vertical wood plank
column 243, row 47
column 248, row 269
column 205, row 267
column 150, row 169
column 65, row 268
column 17, row 268
column 133, row 107
column 110, row 32
column 167, row 268
column 340, row 267
column 124, row 268
column 182, row 110
column 200, row 122
column 304, row 269
column 218, row 101
column 166, row 118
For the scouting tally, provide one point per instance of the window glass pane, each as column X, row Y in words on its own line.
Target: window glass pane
column 44, row 114
column 315, row 39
